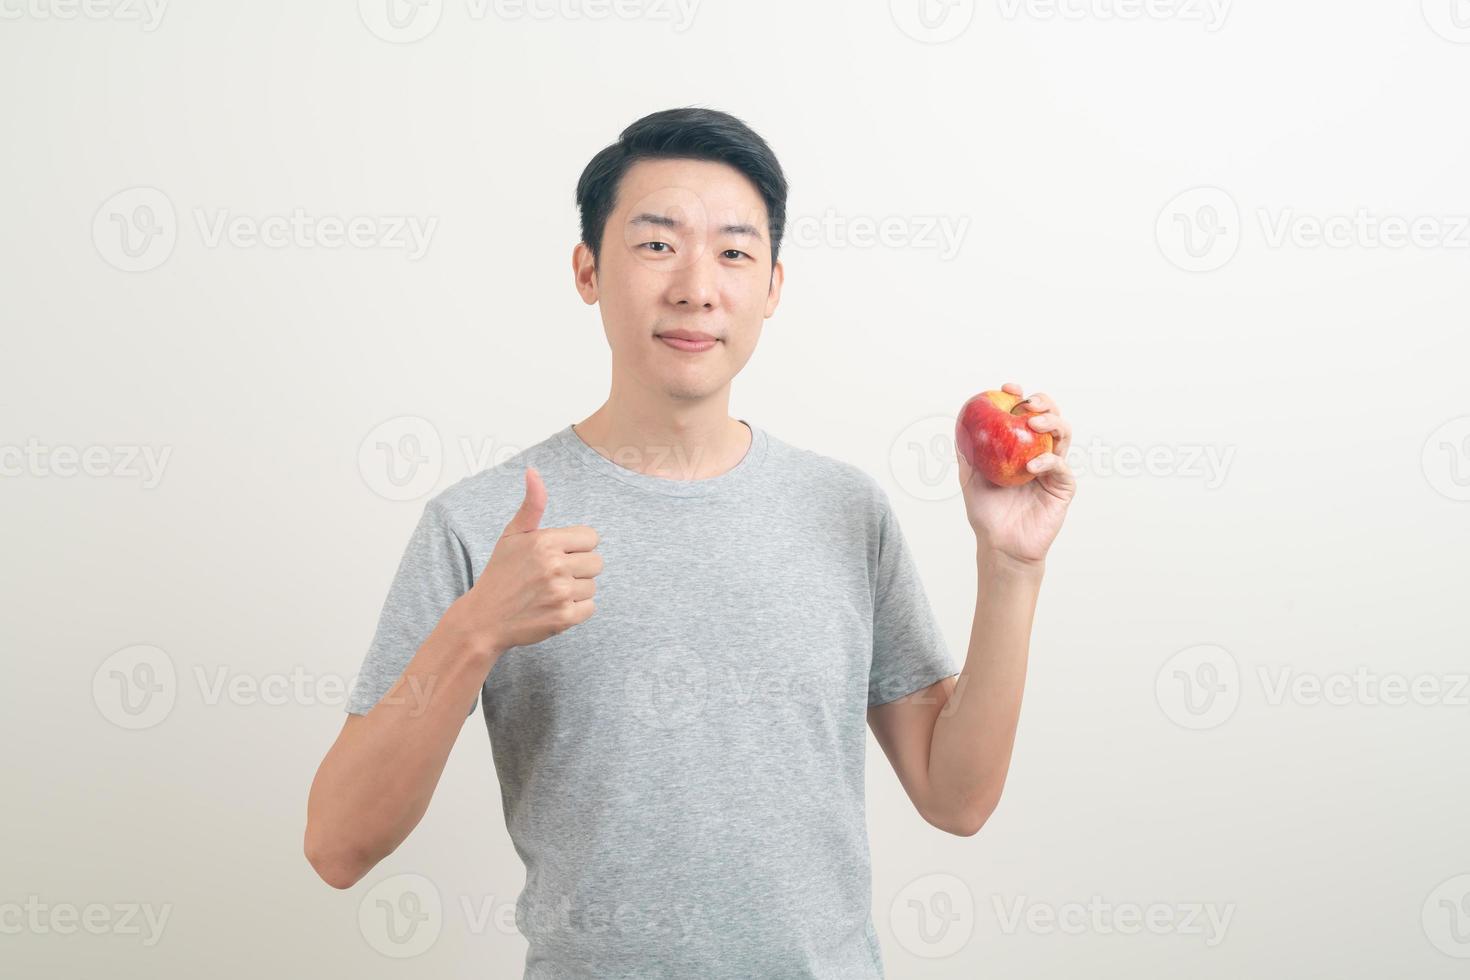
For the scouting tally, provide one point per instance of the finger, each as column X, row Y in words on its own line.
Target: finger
column 584, row 608
column 1062, row 437
column 1058, row 477
column 1011, row 387
column 583, row 564
column 1051, row 422
column 1061, row 441
column 533, row 505
column 573, row 538
column 583, row 588
column 1049, row 419
column 1042, row 463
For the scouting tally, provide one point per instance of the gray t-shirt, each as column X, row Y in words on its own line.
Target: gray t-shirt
column 682, row 774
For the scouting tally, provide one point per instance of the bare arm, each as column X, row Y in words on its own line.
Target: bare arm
column 950, row 743
column 375, row 783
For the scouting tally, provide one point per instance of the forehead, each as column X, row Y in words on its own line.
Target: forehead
column 707, row 191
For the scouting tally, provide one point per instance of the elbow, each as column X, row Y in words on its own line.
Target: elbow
column 970, row 826
column 338, row 867
column 965, row 825
column 967, row 821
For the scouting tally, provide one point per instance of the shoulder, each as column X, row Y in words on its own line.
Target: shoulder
column 493, row 493
column 854, row 491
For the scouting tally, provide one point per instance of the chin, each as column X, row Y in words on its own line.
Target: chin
column 691, row 392
column 690, row 388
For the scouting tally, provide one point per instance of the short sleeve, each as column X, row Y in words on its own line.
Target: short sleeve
column 433, row 572
column 909, row 652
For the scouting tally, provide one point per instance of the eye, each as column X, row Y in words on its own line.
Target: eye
column 737, row 252
column 659, row 251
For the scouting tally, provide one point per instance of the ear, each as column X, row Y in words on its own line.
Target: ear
column 584, row 273
column 778, row 276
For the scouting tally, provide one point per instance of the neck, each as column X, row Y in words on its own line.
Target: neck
column 676, row 439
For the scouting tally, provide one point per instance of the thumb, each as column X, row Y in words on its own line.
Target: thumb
column 528, row 518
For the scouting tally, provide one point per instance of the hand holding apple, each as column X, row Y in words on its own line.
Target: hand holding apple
column 1018, row 446
column 994, row 436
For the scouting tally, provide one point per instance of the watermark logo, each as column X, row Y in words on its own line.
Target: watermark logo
column 407, row 457
column 922, row 460
column 1199, row 687
column 1446, row 917
column 669, row 228
column 1199, row 230
column 136, row 687
column 932, row 21
column 669, row 689
column 1450, row 19
column 401, row 459
column 933, row 916
column 135, row 230
column 401, row 916
column 1446, row 459
column 401, row 21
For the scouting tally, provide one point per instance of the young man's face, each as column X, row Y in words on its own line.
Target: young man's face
column 686, row 248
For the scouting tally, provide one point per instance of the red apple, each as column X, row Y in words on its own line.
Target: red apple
column 993, row 436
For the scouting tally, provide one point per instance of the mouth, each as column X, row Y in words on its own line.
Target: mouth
column 693, row 343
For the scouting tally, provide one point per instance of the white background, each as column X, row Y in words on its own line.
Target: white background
column 1160, row 763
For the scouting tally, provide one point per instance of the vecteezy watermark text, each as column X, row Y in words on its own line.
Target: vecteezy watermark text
column 136, row 230
column 1202, row 230
column 1211, row 13
column 148, row 14
column 41, row 918
column 122, row 461
column 1200, row 687
column 407, row 21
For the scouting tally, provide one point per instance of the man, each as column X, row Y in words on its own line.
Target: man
column 681, row 624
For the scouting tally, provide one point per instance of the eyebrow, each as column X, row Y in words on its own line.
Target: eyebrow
column 664, row 221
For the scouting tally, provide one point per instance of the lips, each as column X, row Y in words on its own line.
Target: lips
column 688, row 340
column 697, row 335
column 679, row 343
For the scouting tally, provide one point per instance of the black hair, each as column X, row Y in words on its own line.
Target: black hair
column 686, row 133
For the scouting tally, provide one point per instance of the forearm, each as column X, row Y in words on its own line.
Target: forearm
column 970, row 750
column 375, row 783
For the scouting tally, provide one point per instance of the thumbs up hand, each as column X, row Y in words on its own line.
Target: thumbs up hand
column 537, row 583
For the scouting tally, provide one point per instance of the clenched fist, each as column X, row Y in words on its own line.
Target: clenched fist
column 537, row 583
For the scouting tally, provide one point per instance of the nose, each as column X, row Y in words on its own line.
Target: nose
column 695, row 284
